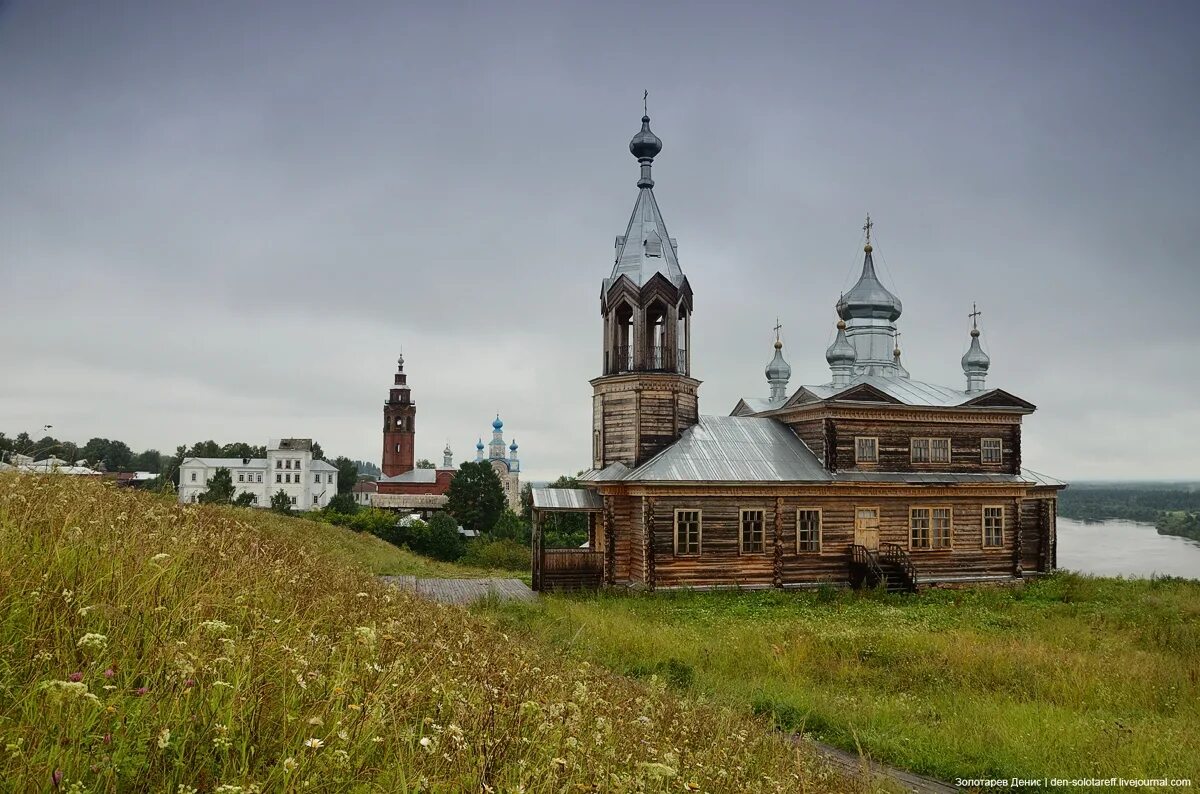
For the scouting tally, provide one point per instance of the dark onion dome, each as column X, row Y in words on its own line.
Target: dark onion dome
column 645, row 145
column 778, row 369
column 869, row 298
column 975, row 359
column 841, row 351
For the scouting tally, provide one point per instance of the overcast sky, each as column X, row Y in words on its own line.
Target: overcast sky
column 225, row 219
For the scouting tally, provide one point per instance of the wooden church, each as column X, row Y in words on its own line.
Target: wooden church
column 871, row 478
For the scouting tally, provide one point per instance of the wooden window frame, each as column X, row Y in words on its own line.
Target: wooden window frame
column 699, row 532
column 983, row 535
column 949, row 531
column 912, row 510
column 929, row 461
column 820, row 530
column 857, row 459
column 742, row 530
column 999, row 449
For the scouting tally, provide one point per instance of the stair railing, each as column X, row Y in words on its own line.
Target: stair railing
column 899, row 556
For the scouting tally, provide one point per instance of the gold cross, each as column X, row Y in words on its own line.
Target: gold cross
column 867, row 228
column 974, row 315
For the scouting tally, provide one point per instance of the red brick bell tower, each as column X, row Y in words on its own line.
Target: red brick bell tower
column 399, row 426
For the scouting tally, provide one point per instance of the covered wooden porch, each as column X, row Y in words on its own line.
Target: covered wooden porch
column 567, row 569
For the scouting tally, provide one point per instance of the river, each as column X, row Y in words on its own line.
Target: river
column 1125, row 548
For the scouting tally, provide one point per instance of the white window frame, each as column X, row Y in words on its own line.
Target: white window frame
column 762, row 530
column 983, row 526
column 820, row 530
column 875, row 446
column 699, row 532
column 999, row 461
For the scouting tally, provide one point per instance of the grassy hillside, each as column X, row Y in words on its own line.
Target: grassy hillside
column 147, row 646
column 1069, row 677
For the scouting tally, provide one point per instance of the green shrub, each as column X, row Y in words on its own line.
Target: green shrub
column 501, row 553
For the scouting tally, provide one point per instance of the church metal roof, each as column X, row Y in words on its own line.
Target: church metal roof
column 734, row 449
column 428, row 476
column 904, row 390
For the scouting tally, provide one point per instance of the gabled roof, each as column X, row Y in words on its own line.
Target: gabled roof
column 228, row 463
column 733, row 449
column 611, row 472
column 906, row 391
column 322, row 465
column 645, row 248
column 754, row 405
column 567, row 499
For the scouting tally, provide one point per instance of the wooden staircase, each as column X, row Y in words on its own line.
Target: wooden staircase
column 890, row 567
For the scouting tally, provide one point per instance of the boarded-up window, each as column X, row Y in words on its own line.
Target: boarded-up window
column 941, row 528
column 866, row 449
column 993, row 527
column 918, row 527
column 687, row 531
column 992, row 450
column 808, row 530
column 752, row 532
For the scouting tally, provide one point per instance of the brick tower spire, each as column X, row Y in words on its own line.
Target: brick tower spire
column 399, row 425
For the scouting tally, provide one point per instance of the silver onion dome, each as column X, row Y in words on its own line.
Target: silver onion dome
column 975, row 360
column 841, row 351
column 778, row 369
column 869, row 299
column 645, row 145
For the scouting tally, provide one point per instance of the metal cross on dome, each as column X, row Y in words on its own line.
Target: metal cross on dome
column 867, row 228
column 974, row 315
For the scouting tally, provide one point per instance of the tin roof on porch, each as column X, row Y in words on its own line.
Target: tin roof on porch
column 575, row 500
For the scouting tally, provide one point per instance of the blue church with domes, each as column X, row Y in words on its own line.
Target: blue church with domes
column 504, row 462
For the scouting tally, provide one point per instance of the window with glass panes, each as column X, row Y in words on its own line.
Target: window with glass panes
column 866, row 449
column 752, row 532
column 687, row 531
column 808, row 530
column 993, row 527
column 991, row 450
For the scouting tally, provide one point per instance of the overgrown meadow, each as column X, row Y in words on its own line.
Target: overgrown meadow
column 1068, row 677
column 148, row 646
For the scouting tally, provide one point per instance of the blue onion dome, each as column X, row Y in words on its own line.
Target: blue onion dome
column 869, row 298
column 778, row 369
column 841, row 351
column 496, row 423
column 645, row 145
column 975, row 358
column 479, row 445
column 513, row 446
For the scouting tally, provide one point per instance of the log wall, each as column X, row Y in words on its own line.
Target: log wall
column 895, row 448
column 721, row 563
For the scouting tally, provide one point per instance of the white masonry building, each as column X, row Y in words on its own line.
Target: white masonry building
column 288, row 467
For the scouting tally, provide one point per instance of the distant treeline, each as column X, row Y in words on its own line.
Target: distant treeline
column 1173, row 508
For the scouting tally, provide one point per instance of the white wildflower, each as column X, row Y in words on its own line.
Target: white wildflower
column 314, row 743
column 93, row 642
column 161, row 557
column 164, row 738
column 289, row 765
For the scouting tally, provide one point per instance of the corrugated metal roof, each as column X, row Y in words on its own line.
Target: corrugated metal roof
column 611, row 472
column 906, row 390
column 322, row 465
column 734, row 449
column 1041, row 479
column 414, row 475
column 566, row 499
column 229, row 463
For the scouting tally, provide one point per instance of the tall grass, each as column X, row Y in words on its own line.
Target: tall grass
column 148, row 646
column 1069, row 677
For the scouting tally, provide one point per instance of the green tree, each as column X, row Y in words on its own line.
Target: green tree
column 444, row 543
column 204, row 449
column 343, row 503
column 245, row 499
column 150, row 460
column 527, row 502
column 347, row 474
column 317, row 452
column 281, row 502
column 240, row 449
column 509, row 527
column 220, row 489
column 565, row 529
column 475, row 497
column 425, row 463
column 112, row 455
column 368, row 469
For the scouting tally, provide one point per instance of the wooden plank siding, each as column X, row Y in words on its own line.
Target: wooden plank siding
column 812, row 433
column 895, row 445
column 722, row 563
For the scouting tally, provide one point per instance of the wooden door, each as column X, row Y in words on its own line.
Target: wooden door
column 866, row 527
